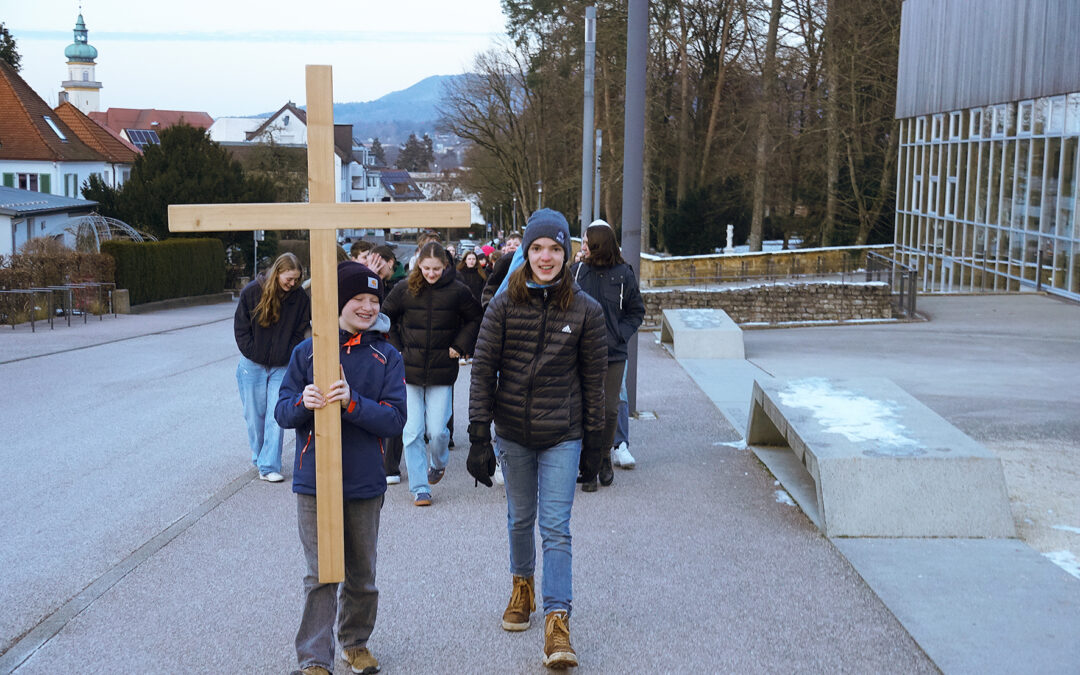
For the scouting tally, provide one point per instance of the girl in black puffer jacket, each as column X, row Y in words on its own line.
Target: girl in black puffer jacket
column 434, row 321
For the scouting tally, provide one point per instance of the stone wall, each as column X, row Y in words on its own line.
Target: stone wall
column 664, row 271
column 778, row 303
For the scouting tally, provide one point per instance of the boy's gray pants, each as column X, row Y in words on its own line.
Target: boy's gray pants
column 358, row 595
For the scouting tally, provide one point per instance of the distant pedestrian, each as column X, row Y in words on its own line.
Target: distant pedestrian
column 360, row 250
column 384, row 263
column 605, row 276
column 497, row 272
column 472, row 275
column 434, row 320
column 538, row 373
column 271, row 318
column 371, row 397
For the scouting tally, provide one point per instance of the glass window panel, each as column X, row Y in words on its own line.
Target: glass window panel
column 999, row 120
column 983, row 182
column 1008, row 174
column 1038, row 119
column 1052, row 168
column 1067, row 190
column 1072, row 114
column 976, row 116
column 954, row 125
column 1074, row 271
column 1010, row 119
column 1025, row 117
column 1036, row 185
column 938, row 122
column 988, row 122
column 993, row 178
column 1031, row 257
column 1056, row 123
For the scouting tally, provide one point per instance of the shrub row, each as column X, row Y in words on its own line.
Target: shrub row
column 54, row 268
column 174, row 268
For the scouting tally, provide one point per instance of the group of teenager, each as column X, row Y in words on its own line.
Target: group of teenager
column 548, row 345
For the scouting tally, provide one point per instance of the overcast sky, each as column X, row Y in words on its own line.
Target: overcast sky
column 233, row 58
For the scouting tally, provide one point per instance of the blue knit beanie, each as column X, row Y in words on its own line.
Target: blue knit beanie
column 547, row 223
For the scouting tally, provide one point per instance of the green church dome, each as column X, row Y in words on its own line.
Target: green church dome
column 80, row 50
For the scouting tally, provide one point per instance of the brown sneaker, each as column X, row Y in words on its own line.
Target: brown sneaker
column 521, row 605
column 361, row 660
column 558, row 653
column 311, row 670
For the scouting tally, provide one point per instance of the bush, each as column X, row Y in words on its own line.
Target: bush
column 47, row 262
column 174, row 268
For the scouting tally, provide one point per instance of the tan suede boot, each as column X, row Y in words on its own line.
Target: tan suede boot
column 558, row 653
column 521, row 605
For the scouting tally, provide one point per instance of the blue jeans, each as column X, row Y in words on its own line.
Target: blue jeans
column 428, row 410
column 622, row 429
column 259, row 386
column 541, row 481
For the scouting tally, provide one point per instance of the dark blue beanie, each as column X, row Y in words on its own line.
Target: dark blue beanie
column 354, row 279
column 547, row 223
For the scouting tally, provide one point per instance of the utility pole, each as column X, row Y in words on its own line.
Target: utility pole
column 637, row 50
column 587, row 119
column 596, row 181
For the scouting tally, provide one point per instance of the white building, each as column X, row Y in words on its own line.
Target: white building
column 81, row 88
column 29, row 214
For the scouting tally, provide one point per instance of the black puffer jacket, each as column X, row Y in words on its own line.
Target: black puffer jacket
column 424, row 327
column 472, row 279
column 538, row 371
column 616, row 289
column 273, row 345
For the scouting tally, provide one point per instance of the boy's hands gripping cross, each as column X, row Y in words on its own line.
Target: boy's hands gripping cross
column 339, row 391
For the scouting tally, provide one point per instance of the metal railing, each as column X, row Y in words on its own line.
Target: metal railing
column 901, row 278
column 47, row 303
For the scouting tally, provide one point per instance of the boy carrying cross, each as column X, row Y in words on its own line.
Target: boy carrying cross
column 371, row 395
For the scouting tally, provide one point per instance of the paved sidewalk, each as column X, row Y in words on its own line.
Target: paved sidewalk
column 693, row 562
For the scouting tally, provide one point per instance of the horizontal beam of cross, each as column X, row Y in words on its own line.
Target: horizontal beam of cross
column 318, row 216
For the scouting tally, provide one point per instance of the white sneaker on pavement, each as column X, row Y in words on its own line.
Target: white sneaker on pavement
column 393, row 480
column 622, row 457
column 272, row 477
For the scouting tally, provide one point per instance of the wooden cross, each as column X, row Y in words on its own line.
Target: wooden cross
column 323, row 217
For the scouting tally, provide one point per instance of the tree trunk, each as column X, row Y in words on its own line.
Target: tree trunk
column 832, row 125
column 684, row 112
column 721, row 75
column 768, row 74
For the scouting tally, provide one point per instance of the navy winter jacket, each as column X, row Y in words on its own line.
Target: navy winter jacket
column 270, row 346
column 616, row 289
column 376, row 376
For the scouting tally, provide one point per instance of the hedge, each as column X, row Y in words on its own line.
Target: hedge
column 174, row 268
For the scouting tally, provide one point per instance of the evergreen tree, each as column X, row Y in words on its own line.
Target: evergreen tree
column 107, row 197
column 416, row 154
column 8, row 50
column 378, row 152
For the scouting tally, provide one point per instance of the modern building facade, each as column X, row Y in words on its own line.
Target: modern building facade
column 988, row 98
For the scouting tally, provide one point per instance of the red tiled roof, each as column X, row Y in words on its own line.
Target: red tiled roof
column 24, row 133
column 118, row 119
column 114, row 148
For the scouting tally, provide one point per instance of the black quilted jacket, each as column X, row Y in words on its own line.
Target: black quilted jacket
column 538, row 371
column 424, row 327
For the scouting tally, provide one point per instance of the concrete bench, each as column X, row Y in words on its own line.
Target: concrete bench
column 701, row 334
column 878, row 463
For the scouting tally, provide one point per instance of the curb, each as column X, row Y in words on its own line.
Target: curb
column 177, row 303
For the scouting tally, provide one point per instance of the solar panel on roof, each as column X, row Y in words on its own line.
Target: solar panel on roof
column 141, row 138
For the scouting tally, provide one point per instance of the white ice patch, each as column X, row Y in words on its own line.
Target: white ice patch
column 1066, row 561
column 856, row 417
column 782, row 497
column 1067, row 528
column 738, row 445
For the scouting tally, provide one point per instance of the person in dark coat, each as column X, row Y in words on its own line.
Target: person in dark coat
column 471, row 274
column 501, row 268
column 605, row 276
column 538, row 374
column 371, row 399
column 271, row 318
column 434, row 321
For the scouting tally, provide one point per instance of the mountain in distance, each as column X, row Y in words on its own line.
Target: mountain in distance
column 391, row 118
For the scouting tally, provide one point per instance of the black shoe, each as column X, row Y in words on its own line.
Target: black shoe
column 607, row 474
column 590, row 486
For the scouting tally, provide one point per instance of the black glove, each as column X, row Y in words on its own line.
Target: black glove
column 481, row 461
column 592, row 447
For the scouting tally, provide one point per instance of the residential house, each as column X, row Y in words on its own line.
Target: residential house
column 38, row 150
column 119, row 154
column 29, row 214
column 140, row 126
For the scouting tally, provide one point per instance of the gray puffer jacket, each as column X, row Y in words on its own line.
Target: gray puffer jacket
column 538, row 371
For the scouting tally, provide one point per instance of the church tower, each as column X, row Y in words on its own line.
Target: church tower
column 80, row 88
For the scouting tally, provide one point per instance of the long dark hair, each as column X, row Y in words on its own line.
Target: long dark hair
column 432, row 249
column 479, row 270
column 562, row 294
column 603, row 246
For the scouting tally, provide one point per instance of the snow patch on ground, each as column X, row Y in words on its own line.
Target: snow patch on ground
column 1067, row 528
column 856, row 417
column 738, row 445
column 1066, row 561
column 782, row 497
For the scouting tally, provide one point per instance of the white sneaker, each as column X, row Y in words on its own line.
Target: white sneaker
column 622, row 457
column 393, row 480
column 272, row 477
column 499, row 480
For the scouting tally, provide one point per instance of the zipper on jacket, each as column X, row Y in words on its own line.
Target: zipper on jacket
column 532, row 372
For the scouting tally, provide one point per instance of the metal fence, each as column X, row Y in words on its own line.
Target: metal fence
column 49, row 303
column 901, row 279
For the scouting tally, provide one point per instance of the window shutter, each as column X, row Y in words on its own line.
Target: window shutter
column 9, row 180
column 45, row 183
